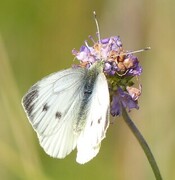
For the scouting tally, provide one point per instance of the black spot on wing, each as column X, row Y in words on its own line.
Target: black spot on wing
column 45, row 107
column 28, row 100
column 58, row 115
column 99, row 120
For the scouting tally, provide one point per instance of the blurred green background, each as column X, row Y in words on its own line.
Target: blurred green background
column 36, row 39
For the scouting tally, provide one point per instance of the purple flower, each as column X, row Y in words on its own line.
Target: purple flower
column 105, row 41
column 110, row 68
column 120, row 67
column 135, row 71
column 122, row 98
column 116, row 108
column 85, row 55
column 132, row 64
column 110, row 50
column 117, row 41
column 107, row 49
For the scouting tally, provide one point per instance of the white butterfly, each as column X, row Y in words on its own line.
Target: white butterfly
column 70, row 109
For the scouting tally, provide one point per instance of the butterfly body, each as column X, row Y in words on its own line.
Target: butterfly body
column 70, row 109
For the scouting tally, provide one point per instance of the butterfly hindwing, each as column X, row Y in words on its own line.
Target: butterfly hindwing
column 88, row 143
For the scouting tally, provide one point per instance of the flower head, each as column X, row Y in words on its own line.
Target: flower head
column 120, row 66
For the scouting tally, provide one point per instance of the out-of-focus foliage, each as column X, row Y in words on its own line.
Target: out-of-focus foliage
column 37, row 38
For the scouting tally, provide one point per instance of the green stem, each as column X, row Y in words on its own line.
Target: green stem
column 143, row 144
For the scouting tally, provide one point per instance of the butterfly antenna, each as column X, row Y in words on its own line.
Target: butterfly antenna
column 97, row 26
column 137, row 51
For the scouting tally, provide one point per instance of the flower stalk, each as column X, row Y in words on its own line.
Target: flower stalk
column 143, row 144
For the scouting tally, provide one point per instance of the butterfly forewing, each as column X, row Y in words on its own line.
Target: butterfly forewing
column 51, row 106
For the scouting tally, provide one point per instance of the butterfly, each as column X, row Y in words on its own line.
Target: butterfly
column 70, row 109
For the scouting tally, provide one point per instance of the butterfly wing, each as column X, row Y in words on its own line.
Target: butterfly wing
column 51, row 106
column 88, row 143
